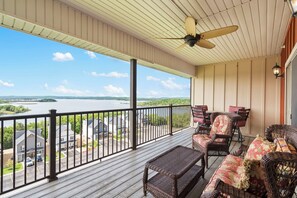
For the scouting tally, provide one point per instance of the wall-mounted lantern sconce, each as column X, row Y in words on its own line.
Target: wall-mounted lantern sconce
column 293, row 6
column 277, row 71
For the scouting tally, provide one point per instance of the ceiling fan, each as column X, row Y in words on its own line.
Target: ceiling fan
column 200, row 39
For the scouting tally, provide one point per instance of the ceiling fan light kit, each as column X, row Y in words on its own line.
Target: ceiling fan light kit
column 193, row 39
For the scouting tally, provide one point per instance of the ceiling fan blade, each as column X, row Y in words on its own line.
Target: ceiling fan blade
column 190, row 25
column 170, row 38
column 181, row 47
column 205, row 44
column 219, row 32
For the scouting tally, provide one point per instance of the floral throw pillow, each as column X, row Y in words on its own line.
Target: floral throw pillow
column 252, row 178
column 258, row 148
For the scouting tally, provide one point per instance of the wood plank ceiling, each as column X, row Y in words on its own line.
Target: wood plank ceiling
column 262, row 24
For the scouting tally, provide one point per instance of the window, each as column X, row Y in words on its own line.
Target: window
column 23, row 147
column 38, row 144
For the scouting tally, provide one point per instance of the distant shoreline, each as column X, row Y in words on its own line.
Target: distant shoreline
column 5, row 99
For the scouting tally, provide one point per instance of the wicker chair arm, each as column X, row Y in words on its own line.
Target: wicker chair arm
column 216, row 136
column 241, row 151
column 232, row 192
column 213, row 194
column 280, row 175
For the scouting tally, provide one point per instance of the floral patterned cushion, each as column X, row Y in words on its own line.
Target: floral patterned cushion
column 202, row 139
column 229, row 172
column 281, row 145
column 220, row 126
column 252, row 179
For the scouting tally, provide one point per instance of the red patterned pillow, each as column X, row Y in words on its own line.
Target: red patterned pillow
column 258, row 148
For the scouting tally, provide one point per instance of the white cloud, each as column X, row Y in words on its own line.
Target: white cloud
column 63, row 90
column 170, row 84
column 114, row 91
column 152, row 78
column 6, row 84
column 45, row 85
column 65, row 82
column 111, row 74
column 91, row 54
column 60, row 57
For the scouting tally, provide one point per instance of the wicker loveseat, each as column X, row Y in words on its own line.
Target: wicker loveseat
column 279, row 170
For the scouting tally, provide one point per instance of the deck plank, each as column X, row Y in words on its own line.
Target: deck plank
column 119, row 176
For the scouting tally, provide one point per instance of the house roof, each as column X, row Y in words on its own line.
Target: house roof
column 29, row 133
column 64, row 130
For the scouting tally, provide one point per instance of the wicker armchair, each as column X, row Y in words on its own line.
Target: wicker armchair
column 217, row 141
column 280, row 173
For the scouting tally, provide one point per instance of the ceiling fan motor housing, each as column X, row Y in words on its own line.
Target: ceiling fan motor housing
column 191, row 40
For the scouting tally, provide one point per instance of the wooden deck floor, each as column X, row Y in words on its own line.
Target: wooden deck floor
column 118, row 176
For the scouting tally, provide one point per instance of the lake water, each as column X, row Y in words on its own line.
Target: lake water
column 71, row 105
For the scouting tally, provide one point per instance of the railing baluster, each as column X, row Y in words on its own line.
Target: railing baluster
column 60, row 140
column 81, row 129
column 25, row 172
column 103, row 135
column 44, row 151
column 35, row 164
column 14, row 154
column 108, row 122
column 74, row 139
column 98, row 137
column 67, row 143
column 93, row 133
column 2, row 158
column 87, row 139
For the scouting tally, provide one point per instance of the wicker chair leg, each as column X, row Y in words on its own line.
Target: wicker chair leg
column 206, row 159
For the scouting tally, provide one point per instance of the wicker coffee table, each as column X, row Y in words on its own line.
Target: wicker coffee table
column 177, row 172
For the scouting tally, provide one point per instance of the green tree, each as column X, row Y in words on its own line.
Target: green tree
column 156, row 120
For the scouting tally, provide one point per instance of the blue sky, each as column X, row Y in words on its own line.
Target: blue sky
column 33, row 66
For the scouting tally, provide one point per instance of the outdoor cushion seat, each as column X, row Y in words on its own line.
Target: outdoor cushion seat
column 229, row 172
column 218, row 139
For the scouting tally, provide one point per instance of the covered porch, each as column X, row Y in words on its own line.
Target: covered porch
column 238, row 71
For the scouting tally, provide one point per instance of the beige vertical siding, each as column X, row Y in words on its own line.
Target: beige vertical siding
column 249, row 83
column 57, row 21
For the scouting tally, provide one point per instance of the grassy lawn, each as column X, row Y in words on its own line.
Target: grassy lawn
column 7, row 170
column 57, row 156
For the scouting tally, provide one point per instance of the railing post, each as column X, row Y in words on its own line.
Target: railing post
column 133, row 100
column 170, row 119
column 52, row 144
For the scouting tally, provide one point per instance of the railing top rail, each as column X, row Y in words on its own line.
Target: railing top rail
column 181, row 105
column 160, row 107
column 90, row 112
column 18, row 117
